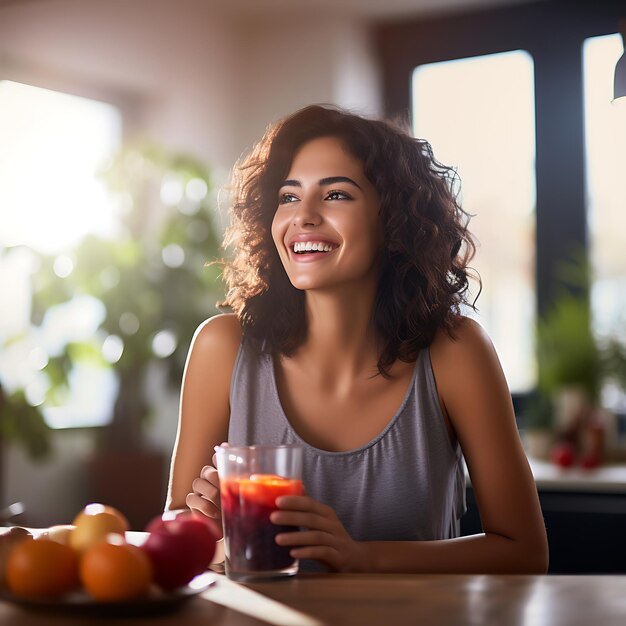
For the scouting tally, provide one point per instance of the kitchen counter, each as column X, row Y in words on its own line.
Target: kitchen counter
column 609, row 478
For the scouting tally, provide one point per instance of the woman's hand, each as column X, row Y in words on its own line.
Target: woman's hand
column 323, row 539
column 205, row 497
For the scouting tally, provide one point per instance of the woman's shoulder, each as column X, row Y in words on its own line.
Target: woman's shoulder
column 466, row 346
column 464, row 333
column 218, row 337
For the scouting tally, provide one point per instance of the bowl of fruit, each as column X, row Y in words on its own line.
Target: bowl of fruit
column 97, row 564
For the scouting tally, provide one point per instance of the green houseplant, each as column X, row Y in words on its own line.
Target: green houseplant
column 568, row 353
column 574, row 364
column 156, row 285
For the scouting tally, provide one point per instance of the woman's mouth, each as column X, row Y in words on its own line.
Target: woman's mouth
column 311, row 250
column 304, row 247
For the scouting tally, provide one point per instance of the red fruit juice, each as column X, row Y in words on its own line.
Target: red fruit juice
column 249, row 534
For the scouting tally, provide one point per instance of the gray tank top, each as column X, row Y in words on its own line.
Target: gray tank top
column 406, row 484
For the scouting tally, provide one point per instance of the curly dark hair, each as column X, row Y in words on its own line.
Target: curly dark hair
column 425, row 255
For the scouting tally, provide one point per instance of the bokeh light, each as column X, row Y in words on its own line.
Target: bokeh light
column 173, row 255
column 112, row 348
column 164, row 343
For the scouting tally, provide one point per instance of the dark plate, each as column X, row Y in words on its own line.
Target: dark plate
column 79, row 602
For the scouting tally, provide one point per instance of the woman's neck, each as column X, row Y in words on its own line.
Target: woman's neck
column 341, row 343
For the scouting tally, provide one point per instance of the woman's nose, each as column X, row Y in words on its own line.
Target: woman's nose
column 306, row 214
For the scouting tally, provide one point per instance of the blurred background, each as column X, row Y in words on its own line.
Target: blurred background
column 119, row 123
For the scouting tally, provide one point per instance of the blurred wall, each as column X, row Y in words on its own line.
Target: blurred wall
column 198, row 78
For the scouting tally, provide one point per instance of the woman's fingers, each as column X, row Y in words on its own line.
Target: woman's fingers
column 304, row 511
column 224, row 444
column 314, row 544
column 304, row 503
column 206, row 490
column 297, row 518
column 326, row 554
column 197, row 503
column 305, row 538
column 209, row 473
column 205, row 496
column 206, row 493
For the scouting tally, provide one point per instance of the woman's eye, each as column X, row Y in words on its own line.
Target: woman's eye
column 338, row 195
column 286, row 198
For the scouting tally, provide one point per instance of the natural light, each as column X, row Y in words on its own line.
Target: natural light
column 52, row 147
column 605, row 138
column 478, row 115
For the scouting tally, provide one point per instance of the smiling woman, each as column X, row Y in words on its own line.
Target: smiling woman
column 52, row 147
column 359, row 355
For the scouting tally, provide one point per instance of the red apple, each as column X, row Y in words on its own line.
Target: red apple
column 180, row 546
column 590, row 461
column 563, row 454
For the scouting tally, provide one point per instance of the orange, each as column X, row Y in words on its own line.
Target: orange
column 94, row 523
column 113, row 570
column 9, row 538
column 41, row 568
column 265, row 488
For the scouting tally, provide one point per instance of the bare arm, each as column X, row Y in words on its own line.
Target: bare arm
column 204, row 404
column 476, row 398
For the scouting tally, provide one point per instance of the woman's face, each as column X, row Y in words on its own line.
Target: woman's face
column 326, row 227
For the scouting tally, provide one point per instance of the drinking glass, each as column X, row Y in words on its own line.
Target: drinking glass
column 251, row 478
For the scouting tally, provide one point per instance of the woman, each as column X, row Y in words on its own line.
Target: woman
column 350, row 269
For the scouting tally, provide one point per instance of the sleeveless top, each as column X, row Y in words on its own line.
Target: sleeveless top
column 406, row 484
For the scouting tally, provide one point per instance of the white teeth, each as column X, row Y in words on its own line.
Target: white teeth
column 312, row 246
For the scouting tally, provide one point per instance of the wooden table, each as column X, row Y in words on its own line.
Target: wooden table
column 395, row 600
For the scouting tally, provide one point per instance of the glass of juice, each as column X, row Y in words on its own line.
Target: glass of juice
column 251, row 478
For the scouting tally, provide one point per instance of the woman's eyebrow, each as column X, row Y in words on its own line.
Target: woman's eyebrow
column 330, row 180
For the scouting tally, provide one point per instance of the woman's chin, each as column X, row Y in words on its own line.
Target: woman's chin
column 307, row 285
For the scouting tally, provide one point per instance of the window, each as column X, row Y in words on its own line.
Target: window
column 52, row 147
column 605, row 138
column 478, row 115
